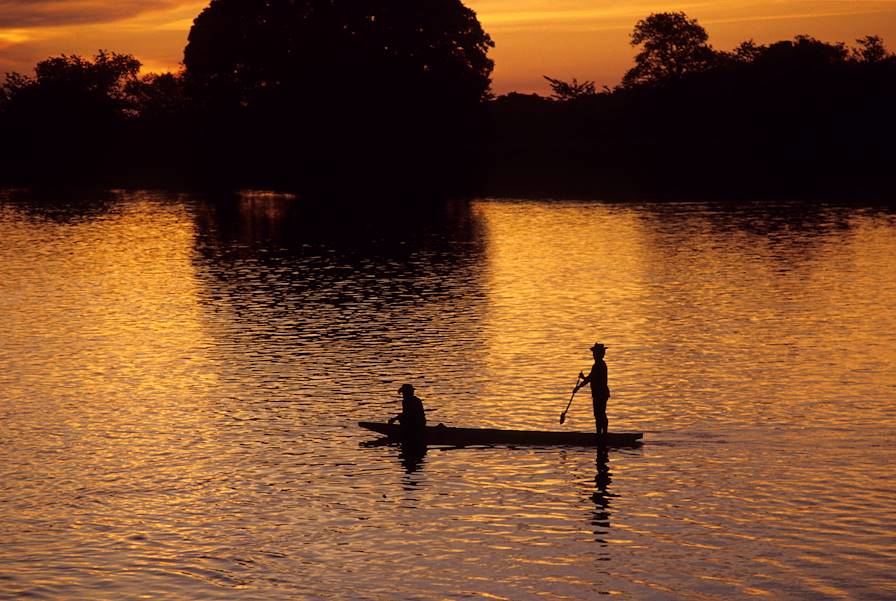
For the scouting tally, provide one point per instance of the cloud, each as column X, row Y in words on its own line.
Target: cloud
column 153, row 30
column 24, row 14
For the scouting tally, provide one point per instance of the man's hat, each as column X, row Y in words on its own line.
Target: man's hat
column 406, row 387
column 598, row 347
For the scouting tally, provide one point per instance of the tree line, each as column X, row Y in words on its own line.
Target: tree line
column 361, row 97
column 320, row 96
column 794, row 118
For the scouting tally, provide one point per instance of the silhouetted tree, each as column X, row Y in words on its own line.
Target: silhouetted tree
column 795, row 118
column 244, row 51
column 358, row 95
column 803, row 52
column 570, row 90
column 870, row 49
column 673, row 46
column 370, row 87
column 747, row 52
column 67, row 119
column 76, row 84
column 94, row 121
column 157, row 95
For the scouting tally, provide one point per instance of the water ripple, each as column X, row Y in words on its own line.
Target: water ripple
column 181, row 381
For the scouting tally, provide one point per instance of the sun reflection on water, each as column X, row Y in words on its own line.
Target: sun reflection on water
column 181, row 380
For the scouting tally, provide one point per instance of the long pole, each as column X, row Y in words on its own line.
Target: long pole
column 563, row 415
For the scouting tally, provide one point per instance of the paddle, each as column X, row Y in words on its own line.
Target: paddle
column 563, row 415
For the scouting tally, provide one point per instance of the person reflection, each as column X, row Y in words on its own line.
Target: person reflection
column 411, row 455
column 413, row 427
column 601, row 497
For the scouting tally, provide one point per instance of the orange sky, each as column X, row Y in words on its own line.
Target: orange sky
column 587, row 39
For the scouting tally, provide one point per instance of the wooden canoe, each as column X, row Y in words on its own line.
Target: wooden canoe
column 489, row 436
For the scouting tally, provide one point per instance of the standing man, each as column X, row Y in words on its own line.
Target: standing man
column 600, row 391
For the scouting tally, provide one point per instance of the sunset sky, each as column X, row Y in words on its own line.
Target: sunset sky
column 587, row 39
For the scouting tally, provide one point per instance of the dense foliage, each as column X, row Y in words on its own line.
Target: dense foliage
column 797, row 117
column 370, row 91
column 90, row 121
column 314, row 95
column 672, row 47
column 360, row 97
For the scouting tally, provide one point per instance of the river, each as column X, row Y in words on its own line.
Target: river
column 181, row 378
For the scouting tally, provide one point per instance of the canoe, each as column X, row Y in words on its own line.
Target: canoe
column 488, row 436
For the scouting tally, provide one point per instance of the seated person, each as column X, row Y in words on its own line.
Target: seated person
column 412, row 416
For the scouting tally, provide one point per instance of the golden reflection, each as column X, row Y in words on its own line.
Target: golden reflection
column 714, row 308
column 173, row 430
column 553, row 297
column 133, row 315
column 114, row 368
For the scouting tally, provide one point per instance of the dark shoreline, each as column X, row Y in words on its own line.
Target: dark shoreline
column 386, row 206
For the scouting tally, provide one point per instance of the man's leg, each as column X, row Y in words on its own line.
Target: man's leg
column 603, row 424
column 597, row 419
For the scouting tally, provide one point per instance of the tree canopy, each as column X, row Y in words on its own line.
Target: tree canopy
column 563, row 91
column 372, row 99
column 366, row 87
column 870, row 49
column 71, row 83
column 672, row 46
column 246, row 51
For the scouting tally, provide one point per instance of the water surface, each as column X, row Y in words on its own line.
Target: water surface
column 180, row 379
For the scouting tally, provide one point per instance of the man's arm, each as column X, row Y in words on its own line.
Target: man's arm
column 585, row 380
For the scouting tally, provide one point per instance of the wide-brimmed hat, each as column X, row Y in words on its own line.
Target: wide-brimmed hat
column 598, row 347
column 406, row 387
